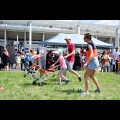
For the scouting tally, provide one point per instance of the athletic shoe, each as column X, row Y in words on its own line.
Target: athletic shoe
column 80, row 78
column 67, row 81
column 97, row 90
column 59, row 84
column 84, row 93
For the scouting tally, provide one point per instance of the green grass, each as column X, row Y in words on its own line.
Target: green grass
column 19, row 88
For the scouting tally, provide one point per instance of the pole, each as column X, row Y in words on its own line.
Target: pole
column 78, row 27
column 30, row 37
column 17, row 43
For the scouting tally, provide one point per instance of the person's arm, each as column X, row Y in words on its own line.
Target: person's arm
column 68, row 55
column 73, row 52
column 55, row 63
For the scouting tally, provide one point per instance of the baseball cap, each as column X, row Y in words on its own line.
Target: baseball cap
column 60, row 51
column 67, row 38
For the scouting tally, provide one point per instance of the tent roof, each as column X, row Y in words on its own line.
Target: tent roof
column 76, row 39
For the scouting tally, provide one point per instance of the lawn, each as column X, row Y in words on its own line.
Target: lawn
column 19, row 88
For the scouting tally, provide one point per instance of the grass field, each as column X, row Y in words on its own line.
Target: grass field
column 19, row 88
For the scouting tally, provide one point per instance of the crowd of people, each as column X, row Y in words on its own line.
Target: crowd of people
column 89, row 60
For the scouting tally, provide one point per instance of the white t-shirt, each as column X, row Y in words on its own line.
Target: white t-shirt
column 115, row 55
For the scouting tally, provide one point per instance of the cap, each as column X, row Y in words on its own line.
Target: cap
column 68, row 38
column 60, row 51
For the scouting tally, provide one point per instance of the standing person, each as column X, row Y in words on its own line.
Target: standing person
column 115, row 55
column 22, row 59
column 18, row 60
column 62, row 65
column 107, row 60
column 91, row 64
column 70, row 57
column 6, row 58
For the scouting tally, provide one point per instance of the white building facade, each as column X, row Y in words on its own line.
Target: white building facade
column 28, row 33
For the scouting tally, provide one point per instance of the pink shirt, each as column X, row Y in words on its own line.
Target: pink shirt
column 62, row 62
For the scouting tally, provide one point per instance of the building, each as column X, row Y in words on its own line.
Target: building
column 28, row 33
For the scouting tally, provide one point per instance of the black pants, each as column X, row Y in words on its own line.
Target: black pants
column 116, row 70
column 22, row 63
column 113, row 68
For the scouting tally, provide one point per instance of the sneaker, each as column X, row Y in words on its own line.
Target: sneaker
column 84, row 93
column 97, row 90
column 59, row 84
column 25, row 75
column 80, row 78
column 67, row 81
column 63, row 80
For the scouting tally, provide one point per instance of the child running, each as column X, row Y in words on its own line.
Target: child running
column 63, row 67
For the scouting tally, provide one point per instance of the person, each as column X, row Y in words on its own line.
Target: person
column 70, row 57
column 6, row 58
column 62, row 65
column 34, row 59
column 106, row 58
column 26, row 60
column 115, row 55
column 118, row 59
column 91, row 64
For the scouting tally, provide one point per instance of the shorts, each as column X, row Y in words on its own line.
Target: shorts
column 94, row 64
column 69, row 65
column 63, row 69
column 107, row 64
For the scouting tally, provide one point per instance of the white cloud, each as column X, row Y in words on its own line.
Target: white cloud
column 108, row 22
column 104, row 22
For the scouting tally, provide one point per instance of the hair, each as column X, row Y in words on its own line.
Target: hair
column 88, row 36
column 32, row 51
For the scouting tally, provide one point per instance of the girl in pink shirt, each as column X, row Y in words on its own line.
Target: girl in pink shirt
column 63, row 67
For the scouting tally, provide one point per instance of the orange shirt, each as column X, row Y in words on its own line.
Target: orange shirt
column 95, row 53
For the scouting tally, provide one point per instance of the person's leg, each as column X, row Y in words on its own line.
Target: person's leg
column 7, row 67
column 105, row 68
column 116, row 66
column 64, row 73
column 108, row 68
column 94, row 78
column 59, row 77
column 70, row 68
column 66, row 79
column 86, row 77
column 113, row 68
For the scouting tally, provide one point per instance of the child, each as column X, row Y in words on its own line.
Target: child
column 63, row 67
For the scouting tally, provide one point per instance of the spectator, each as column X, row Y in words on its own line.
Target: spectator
column 6, row 59
column 115, row 55
column 107, row 61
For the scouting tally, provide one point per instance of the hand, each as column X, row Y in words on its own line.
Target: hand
column 85, row 65
column 65, row 56
column 52, row 65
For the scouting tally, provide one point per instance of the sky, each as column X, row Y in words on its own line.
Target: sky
column 104, row 22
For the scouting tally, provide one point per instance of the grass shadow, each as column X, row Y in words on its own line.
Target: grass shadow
column 70, row 91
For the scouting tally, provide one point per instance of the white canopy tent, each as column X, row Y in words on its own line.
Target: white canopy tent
column 76, row 39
